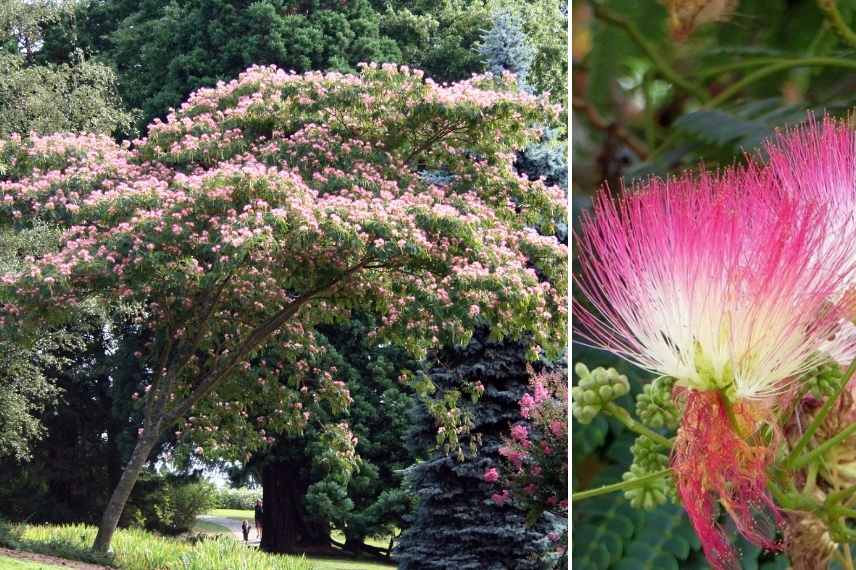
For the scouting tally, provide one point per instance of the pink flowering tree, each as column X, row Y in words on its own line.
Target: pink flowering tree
column 534, row 475
column 276, row 202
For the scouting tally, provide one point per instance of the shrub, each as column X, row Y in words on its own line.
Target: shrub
column 168, row 504
column 242, row 498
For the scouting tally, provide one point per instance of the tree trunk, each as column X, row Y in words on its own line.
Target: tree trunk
column 285, row 527
column 120, row 495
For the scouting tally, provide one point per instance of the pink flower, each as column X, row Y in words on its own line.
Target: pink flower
column 530, row 489
column 501, row 498
column 527, row 405
column 557, row 428
column 513, row 455
column 198, row 450
column 713, row 280
column 554, row 536
column 491, row 475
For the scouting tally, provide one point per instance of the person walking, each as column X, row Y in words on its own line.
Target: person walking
column 259, row 515
column 245, row 529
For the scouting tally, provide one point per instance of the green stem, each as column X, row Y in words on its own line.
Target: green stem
column 819, row 61
column 834, row 17
column 650, row 125
column 603, row 13
column 624, row 417
column 774, row 68
column 623, row 486
column 820, row 417
column 824, row 447
column 838, row 496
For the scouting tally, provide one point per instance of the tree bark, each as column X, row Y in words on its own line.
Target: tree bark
column 285, row 527
column 120, row 495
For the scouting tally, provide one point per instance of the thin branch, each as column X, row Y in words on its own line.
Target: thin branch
column 253, row 340
column 623, row 416
column 623, row 486
column 834, row 17
column 602, row 124
column 820, row 417
column 666, row 70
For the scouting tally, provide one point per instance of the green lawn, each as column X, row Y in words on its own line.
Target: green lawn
column 210, row 528
column 7, row 563
column 336, row 564
column 237, row 514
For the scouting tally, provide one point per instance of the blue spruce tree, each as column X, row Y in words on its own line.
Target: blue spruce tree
column 506, row 47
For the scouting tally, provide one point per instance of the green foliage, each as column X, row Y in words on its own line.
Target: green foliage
column 168, row 504
column 164, row 51
column 76, row 95
column 610, row 534
column 662, row 541
column 243, row 498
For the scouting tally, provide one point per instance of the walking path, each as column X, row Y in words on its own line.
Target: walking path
column 233, row 525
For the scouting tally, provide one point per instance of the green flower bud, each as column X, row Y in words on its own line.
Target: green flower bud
column 652, row 493
column 655, row 406
column 649, row 455
column 595, row 389
column 824, row 380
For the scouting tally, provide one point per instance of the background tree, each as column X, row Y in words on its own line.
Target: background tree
column 77, row 95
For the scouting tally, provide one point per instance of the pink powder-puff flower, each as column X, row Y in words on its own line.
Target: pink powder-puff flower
column 713, row 281
column 730, row 284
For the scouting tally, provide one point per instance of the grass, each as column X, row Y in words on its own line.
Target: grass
column 237, row 514
column 140, row 550
column 210, row 528
column 7, row 563
column 338, row 564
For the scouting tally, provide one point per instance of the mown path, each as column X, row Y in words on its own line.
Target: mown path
column 233, row 525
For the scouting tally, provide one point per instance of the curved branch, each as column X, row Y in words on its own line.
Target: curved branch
column 603, row 13
column 836, row 20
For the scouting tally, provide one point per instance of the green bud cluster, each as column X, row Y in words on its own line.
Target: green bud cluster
column 595, row 389
column 823, row 380
column 649, row 455
column 655, row 406
column 652, row 493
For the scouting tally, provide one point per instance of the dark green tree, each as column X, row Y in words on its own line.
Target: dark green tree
column 162, row 51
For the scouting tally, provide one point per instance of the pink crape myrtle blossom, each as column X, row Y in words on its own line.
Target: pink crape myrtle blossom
column 530, row 471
